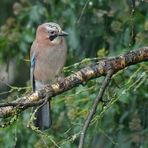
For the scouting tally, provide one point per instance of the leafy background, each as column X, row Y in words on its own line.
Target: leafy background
column 97, row 28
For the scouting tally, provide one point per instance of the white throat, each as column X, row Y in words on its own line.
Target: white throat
column 57, row 40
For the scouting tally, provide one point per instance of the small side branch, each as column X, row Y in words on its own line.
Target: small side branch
column 94, row 108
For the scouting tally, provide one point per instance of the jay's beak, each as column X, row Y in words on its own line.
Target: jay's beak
column 63, row 33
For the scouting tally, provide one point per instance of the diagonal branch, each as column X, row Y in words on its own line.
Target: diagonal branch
column 85, row 74
column 94, row 107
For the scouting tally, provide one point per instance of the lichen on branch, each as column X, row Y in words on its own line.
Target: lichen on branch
column 85, row 74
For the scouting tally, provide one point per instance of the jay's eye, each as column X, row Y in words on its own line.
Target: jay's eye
column 52, row 32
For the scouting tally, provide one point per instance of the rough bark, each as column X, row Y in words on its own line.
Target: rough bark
column 98, row 69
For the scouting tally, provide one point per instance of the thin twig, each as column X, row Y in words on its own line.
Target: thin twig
column 82, row 12
column 21, row 104
column 31, row 125
column 133, row 26
column 93, row 111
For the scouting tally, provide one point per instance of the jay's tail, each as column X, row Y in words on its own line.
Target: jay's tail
column 43, row 117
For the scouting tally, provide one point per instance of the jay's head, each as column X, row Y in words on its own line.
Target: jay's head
column 50, row 32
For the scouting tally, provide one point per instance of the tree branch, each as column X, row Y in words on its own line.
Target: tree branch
column 98, row 69
column 94, row 107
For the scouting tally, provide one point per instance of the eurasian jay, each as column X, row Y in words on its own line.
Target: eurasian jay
column 48, row 55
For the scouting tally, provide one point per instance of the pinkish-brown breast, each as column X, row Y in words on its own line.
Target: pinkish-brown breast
column 50, row 60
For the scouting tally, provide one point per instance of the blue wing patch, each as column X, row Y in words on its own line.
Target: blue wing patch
column 33, row 60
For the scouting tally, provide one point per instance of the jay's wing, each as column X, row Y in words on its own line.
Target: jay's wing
column 32, row 71
column 43, row 115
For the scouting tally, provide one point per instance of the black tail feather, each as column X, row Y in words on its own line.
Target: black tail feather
column 43, row 117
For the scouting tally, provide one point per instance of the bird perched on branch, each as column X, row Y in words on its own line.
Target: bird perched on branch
column 48, row 55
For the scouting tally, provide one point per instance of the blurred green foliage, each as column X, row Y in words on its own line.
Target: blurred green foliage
column 97, row 28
